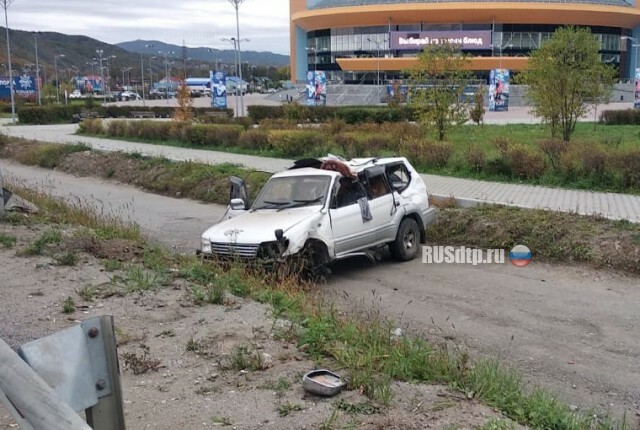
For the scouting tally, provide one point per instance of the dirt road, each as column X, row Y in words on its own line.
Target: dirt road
column 571, row 329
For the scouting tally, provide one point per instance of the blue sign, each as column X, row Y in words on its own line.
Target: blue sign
column 89, row 84
column 25, row 86
column 316, row 88
column 499, row 90
column 218, row 90
column 636, row 91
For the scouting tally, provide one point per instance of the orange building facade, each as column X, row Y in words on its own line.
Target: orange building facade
column 370, row 41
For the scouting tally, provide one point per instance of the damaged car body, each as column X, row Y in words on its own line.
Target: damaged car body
column 321, row 211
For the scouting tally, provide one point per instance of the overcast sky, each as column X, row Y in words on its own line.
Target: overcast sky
column 197, row 22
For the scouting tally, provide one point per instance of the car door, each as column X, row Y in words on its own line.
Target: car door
column 382, row 203
column 351, row 224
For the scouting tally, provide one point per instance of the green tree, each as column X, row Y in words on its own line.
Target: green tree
column 564, row 77
column 438, row 82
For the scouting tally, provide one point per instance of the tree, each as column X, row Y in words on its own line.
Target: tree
column 566, row 75
column 438, row 82
column 184, row 111
column 476, row 112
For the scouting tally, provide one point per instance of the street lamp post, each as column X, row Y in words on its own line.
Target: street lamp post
column 99, row 52
column 236, row 4
column 55, row 66
column 38, row 83
column 377, row 43
column 238, row 71
column 148, row 45
column 5, row 5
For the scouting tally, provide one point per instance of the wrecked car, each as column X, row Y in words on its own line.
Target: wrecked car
column 323, row 210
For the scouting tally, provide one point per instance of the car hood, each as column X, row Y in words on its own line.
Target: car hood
column 259, row 226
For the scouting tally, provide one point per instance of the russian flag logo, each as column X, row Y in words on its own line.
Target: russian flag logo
column 520, row 256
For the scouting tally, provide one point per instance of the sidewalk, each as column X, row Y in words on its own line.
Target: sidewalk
column 467, row 191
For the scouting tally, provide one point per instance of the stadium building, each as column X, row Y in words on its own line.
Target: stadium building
column 355, row 41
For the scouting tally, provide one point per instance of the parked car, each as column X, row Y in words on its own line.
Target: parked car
column 321, row 211
column 129, row 95
column 76, row 94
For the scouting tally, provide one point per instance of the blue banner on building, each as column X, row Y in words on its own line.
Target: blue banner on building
column 499, row 90
column 218, row 90
column 636, row 92
column 316, row 88
column 25, row 86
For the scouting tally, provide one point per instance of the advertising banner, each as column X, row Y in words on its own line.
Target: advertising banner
column 417, row 41
column 218, row 90
column 316, row 88
column 89, row 84
column 499, row 90
column 25, row 86
column 636, row 92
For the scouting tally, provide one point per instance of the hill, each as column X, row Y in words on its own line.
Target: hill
column 76, row 54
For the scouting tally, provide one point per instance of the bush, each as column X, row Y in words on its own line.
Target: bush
column 116, row 128
column 258, row 113
column 220, row 135
column 278, row 124
column 295, row 143
column 475, row 158
column 91, row 126
column 39, row 115
column 594, row 161
column 629, row 165
column 254, row 139
column 437, row 154
column 553, row 149
column 525, row 163
column 620, row 117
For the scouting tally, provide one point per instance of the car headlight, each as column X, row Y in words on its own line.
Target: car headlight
column 205, row 245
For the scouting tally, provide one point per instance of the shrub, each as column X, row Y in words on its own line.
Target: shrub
column 629, row 165
column 553, row 149
column 116, row 128
column 594, row 160
column 91, row 126
column 296, row 142
column 254, row 139
column 437, row 154
column 47, row 114
column 377, row 143
column 525, row 163
column 620, row 117
column 215, row 134
column 257, row 113
column 475, row 157
column 503, row 144
column 278, row 124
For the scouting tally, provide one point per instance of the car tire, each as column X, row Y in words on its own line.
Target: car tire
column 405, row 246
column 310, row 264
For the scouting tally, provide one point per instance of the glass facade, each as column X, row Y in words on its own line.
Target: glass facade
column 325, row 46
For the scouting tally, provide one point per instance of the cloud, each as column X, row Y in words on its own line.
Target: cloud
column 196, row 22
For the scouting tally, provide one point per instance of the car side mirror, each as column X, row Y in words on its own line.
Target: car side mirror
column 237, row 204
column 238, row 191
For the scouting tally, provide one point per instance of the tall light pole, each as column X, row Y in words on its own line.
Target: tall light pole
column 55, row 66
column 38, row 83
column 167, row 71
column 148, row 45
column 238, row 71
column 236, row 4
column 99, row 52
column 377, row 43
column 5, row 5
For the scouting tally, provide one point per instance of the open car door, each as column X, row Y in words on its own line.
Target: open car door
column 238, row 198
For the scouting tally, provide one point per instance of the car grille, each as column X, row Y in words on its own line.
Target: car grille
column 234, row 250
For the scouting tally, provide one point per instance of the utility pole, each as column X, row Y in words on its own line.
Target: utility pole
column 6, row 4
column 236, row 4
column 38, row 83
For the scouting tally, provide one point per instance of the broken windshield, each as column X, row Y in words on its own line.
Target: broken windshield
column 293, row 191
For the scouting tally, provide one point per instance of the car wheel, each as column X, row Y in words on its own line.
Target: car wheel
column 405, row 246
column 310, row 264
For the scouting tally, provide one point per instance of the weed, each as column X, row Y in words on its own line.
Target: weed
column 7, row 240
column 37, row 247
column 362, row 408
column 139, row 363
column 166, row 333
column 245, row 357
column 497, row 424
column 138, row 280
column 112, row 265
column 87, row 293
column 280, row 386
column 205, row 389
column 329, row 423
column 286, row 408
column 197, row 346
column 69, row 258
column 69, row 306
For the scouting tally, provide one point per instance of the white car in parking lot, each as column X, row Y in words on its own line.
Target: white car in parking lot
column 321, row 211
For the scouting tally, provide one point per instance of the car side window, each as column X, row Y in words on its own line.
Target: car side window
column 377, row 187
column 399, row 177
column 348, row 193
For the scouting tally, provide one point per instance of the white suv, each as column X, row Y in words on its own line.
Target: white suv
column 320, row 211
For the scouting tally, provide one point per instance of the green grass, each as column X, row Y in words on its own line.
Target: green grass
column 37, row 247
column 69, row 306
column 7, row 240
column 69, row 258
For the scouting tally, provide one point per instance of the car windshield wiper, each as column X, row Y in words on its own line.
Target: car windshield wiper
column 300, row 203
column 271, row 205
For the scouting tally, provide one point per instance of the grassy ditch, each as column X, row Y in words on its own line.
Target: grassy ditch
column 552, row 236
column 605, row 158
column 364, row 343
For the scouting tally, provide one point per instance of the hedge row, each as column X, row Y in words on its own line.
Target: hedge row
column 321, row 114
column 60, row 114
column 621, row 117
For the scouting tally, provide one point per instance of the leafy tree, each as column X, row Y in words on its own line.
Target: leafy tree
column 476, row 112
column 438, row 82
column 48, row 93
column 184, row 111
column 566, row 75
